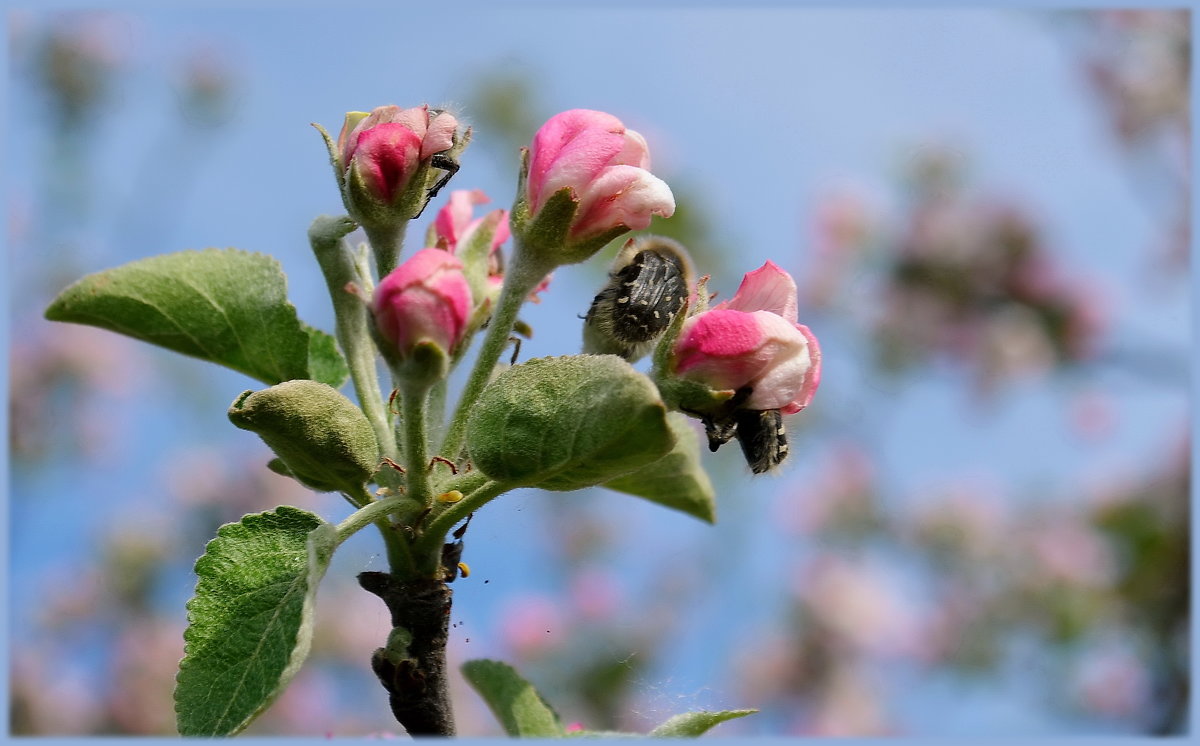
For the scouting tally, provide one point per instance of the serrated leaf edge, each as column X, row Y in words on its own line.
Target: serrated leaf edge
column 315, row 542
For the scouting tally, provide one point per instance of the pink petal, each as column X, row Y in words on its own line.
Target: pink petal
column 386, row 156
column 421, row 265
column 503, row 230
column 784, row 380
column 569, row 150
column 634, row 153
column 767, row 288
column 622, row 195
column 720, row 348
column 453, row 219
column 416, row 118
column 379, row 115
column 813, row 378
column 440, row 135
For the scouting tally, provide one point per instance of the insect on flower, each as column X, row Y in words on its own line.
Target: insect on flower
column 444, row 161
column 647, row 286
column 762, row 437
column 760, row 433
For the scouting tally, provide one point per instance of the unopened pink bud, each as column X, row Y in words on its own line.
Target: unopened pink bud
column 456, row 227
column 426, row 299
column 605, row 167
column 456, row 223
column 379, row 153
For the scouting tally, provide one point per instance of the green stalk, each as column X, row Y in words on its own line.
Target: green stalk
column 351, row 330
column 400, row 560
column 427, row 550
column 414, row 407
column 466, row 483
column 519, row 282
column 387, row 241
column 437, row 406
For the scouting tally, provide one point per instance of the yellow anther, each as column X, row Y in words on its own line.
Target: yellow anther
column 464, row 569
column 452, row 496
column 383, row 492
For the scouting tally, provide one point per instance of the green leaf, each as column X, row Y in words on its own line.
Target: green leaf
column 692, row 724
column 565, row 423
column 226, row 306
column 325, row 361
column 677, row 480
column 250, row 621
column 513, row 700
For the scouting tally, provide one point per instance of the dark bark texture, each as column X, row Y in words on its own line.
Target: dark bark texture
column 412, row 668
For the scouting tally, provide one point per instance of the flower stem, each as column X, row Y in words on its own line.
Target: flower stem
column 427, row 550
column 387, row 241
column 416, row 443
column 400, row 560
column 519, row 281
column 351, row 331
column 373, row 511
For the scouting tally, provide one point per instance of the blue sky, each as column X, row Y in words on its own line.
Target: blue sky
column 759, row 110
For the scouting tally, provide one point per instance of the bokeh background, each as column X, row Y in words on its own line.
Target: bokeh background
column 984, row 524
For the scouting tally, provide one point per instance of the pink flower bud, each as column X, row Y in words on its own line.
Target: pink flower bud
column 379, row 153
column 456, row 222
column 753, row 340
column 605, row 167
column 456, row 226
column 425, row 299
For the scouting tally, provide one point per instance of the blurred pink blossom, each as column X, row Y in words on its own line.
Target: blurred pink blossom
column 1065, row 549
column 596, row 594
column 968, row 518
column 146, row 656
column 839, row 495
column 860, row 605
column 532, row 626
column 1093, row 414
column 50, row 698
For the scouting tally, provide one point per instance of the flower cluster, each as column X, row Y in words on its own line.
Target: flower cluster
column 965, row 277
column 586, row 179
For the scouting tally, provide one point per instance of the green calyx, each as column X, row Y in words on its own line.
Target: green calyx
column 545, row 237
column 321, row 438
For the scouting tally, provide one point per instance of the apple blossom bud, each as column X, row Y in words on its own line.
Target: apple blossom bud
column 476, row 242
column 585, row 181
column 473, row 241
column 391, row 161
column 424, row 303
